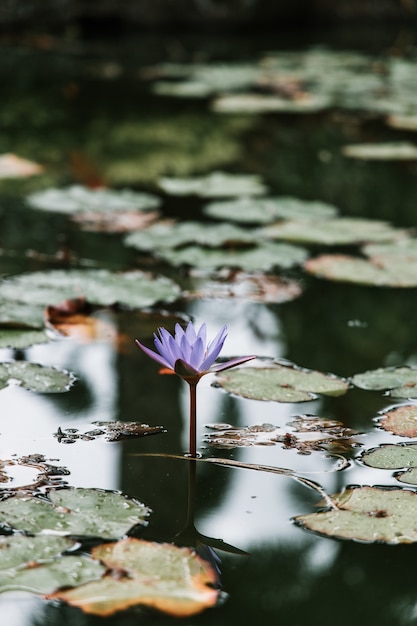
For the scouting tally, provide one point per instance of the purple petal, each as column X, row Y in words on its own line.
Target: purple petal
column 214, row 349
column 190, row 333
column 186, row 349
column 179, row 333
column 156, row 357
column 163, row 349
column 197, row 353
column 232, row 363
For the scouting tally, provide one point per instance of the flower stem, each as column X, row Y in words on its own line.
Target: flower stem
column 193, row 419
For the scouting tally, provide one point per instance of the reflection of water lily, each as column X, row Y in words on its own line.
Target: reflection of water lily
column 187, row 353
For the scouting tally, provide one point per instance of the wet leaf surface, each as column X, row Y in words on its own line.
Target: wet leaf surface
column 369, row 514
column 17, row 315
column 400, row 421
column 19, row 339
column 35, row 377
column 394, row 456
column 267, row 210
column 280, row 383
column 67, row 511
column 134, row 288
column 401, row 382
column 162, row 576
column 214, row 185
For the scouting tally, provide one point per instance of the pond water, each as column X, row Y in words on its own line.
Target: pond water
column 85, row 111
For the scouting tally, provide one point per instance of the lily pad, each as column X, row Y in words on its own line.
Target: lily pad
column 331, row 232
column 266, row 210
column 76, row 199
column 135, row 289
column 400, row 421
column 264, row 257
column 19, row 339
column 280, row 383
column 391, row 151
column 369, row 514
column 13, row 166
column 399, row 273
column 260, row 103
column 17, row 315
column 405, row 248
column 69, row 512
column 35, row 377
column 162, row 576
column 401, row 382
column 176, row 234
column 215, row 185
column 113, row 431
column 394, row 456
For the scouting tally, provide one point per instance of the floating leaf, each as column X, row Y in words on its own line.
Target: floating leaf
column 405, row 248
column 214, row 185
column 266, row 210
column 337, row 231
column 76, row 198
column 264, row 257
column 259, row 103
column 250, row 287
column 394, row 456
column 69, row 512
column 35, row 377
column 401, row 382
column 113, row 431
column 280, row 383
column 162, row 576
column 400, row 421
column 391, row 151
column 13, row 166
column 404, row 122
column 134, row 289
column 370, row 514
column 343, row 268
column 119, row 222
column 168, row 235
column 18, row 315
column 41, row 472
column 19, row 339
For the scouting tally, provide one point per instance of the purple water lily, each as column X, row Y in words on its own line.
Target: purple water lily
column 187, row 353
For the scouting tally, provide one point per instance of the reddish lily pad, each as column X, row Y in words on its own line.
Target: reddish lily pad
column 401, row 421
column 13, row 166
column 367, row 514
column 162, row 576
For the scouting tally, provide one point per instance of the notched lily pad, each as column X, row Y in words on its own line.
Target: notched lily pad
column 399, row 382
column 267, row 210
column 370, row 514
column 68, row 511
column 394, row 456
column 35, row 377
column 400, row 421
column 135, row 289
column 162, row 576
column 214, row 185
column 280, row 383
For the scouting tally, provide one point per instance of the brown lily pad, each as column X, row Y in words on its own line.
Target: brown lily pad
column 401, row 421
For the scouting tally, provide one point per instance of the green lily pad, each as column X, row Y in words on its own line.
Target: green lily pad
column 401, row 382
column 266, row 210
column 215, row 185
column 370, row 514
column 399, row 273
column 69, row 512
column 400, row 421
column 162, row 576
column 19, row 339
column 260, row 103
column 280, row 383
column 173, row 235
column 18, row 315
column 77, row 199
column 19, row 550
column 391, row 151
column 404, row 248
column 35, row 377
column 336, row 231
column 264, row 257
column 135, row 289
column 394, row 456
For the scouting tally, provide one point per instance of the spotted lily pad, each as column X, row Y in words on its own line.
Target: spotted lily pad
column 400, row 421
column 370, row 514
column 69, row 512
column 135, row 289
column 214, row 185
column 392, row 151
column 387, row 272
column 336, row 231
column 76, row 199
column 36, row 564
column 162, row 576
column 174, row 235
column 280, row 383
column 35, row 377
column 400, row 382
column 394, row 456
column 266, row 210
column 264, row 257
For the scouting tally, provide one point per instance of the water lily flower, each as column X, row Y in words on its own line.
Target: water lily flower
column 187, row 354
